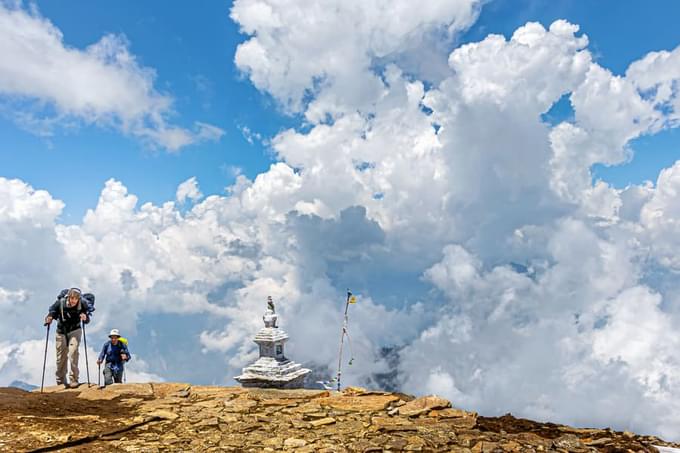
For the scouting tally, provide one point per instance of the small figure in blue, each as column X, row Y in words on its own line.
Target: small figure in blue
column 114, row 354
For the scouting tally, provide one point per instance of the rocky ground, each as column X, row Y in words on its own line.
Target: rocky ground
column 179, row 417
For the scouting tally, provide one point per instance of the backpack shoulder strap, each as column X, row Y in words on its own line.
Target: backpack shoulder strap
column 61, row 306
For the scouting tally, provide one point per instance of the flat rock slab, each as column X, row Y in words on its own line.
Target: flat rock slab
column 392, row 424
column 304, row 394
column 212, row 391
column 363, row 403
column 164, row 414
column 240, row 404
column 165, row 389
column 423, row 405
column 322, row 421
column 115, row 391
column 451, row 413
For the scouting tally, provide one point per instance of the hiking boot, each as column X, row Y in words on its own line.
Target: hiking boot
column 73, row 385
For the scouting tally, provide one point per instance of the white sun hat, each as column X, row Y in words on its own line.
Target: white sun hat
column 114, row 332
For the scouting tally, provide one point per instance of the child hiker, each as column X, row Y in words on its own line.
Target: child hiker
column 114, row 353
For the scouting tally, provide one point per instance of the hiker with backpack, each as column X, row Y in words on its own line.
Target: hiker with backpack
column 114, row 354
column 70, row 309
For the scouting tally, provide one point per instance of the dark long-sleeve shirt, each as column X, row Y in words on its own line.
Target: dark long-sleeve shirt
column 70, row 321
column 111, row 354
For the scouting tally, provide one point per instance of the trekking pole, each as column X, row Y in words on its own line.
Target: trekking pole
column 47, row 339
column 87, row 365
column 99, row 375
column 342, row 338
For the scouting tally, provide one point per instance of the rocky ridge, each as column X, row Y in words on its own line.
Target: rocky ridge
column 180, row 417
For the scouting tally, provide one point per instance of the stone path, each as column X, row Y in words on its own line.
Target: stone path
column 179, row 417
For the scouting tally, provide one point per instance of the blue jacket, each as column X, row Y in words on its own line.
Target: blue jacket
column 111, row 354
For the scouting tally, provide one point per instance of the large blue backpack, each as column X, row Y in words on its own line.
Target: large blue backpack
column 87, row 299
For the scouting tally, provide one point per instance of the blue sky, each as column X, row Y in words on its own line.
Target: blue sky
column 192, row 48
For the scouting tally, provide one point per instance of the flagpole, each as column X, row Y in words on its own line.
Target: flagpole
column 342, row 338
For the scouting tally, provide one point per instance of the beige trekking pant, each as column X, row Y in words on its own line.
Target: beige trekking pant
column 67, row 346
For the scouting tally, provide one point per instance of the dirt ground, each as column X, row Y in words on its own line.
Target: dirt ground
column 513, row 425
column 32, row 420
column 625, row 442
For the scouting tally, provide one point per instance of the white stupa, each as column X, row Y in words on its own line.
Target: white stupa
column 272, row 369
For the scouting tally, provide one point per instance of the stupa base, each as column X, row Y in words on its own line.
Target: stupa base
column 295, row 382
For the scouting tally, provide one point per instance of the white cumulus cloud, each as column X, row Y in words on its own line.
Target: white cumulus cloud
column 188, row 190
column 327, row 49
column 44, row 82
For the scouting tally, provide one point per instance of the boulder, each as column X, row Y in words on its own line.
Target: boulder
column 423, row 405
